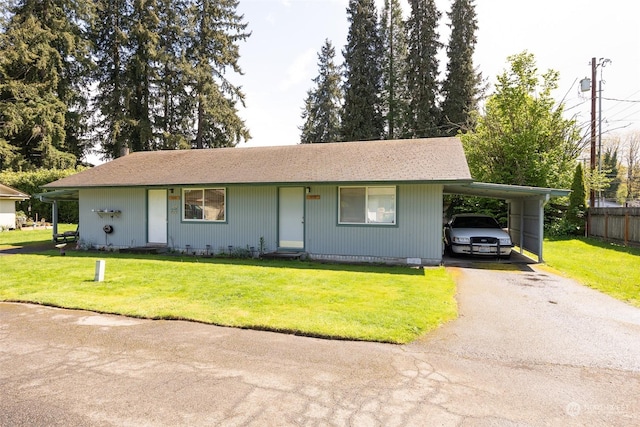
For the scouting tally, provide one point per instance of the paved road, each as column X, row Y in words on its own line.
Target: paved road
column 529, row 348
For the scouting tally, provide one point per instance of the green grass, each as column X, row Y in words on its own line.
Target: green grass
column 388, row 304
column 609, row 268
column 28, row 237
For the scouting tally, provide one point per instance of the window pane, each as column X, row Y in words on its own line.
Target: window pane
column 381, row 206
column 353, row 205
column 214, row 205
column 192, row 204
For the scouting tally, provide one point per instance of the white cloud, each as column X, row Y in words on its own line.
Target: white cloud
column 300, row 70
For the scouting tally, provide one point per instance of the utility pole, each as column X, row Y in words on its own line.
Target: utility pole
column 584, row 86
column 592, row 192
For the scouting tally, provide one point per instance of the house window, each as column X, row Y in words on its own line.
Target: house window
column 367, row 205
column 204, row 204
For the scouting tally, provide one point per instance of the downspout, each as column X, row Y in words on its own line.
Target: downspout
column 54, row 213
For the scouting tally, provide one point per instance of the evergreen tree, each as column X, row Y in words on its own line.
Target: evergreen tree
column 46, row 34
column 172, row 114
column 460, row 89
column 322, row 106
column 422, row 81
column 610, row 164
column 31, row 114
column 141, row 73
column 395, row 102
column 109, row 35
column 575, row 216
column 213, row 49
column 362, row 112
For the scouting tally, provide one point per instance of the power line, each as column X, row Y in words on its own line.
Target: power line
column 621, row 100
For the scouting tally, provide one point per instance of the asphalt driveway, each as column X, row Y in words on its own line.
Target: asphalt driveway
column 529, row 348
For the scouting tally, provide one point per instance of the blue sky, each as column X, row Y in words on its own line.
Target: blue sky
column 280, row 58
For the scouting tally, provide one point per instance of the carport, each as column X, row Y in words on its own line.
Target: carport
column 54, row 197
column 526, row 209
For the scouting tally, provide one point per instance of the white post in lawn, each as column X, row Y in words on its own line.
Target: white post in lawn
column 100, row 265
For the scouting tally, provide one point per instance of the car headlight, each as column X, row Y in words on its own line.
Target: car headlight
column 505, row 242
column 462, row 240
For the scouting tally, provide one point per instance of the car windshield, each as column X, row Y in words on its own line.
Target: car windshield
column 475, row 222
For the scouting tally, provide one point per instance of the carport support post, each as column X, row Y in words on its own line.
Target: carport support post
column 543, row 202
column 54, row 215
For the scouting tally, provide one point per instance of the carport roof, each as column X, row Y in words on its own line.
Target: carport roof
column 503, row 191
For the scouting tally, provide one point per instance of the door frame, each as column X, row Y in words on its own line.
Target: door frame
column 161, row 213
column 301, row 231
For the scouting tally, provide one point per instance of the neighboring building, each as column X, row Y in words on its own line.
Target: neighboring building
column 376, row 201
column 8, row 198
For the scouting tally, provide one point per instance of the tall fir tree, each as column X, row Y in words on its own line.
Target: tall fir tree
column 422, row 83
column 45, row 69
column 395, row 100
column 362, row 113
column 172, row 114
column 109, row 34
column 461, row 87
column 213, row 50
column 610, row 164
column 322, row 107
column 576, row 212
column 142, row 73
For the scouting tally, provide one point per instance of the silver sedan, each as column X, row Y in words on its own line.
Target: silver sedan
column 475, row 234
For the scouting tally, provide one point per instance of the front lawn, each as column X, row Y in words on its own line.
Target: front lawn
column 389, row 304
column 609, row 268
column 30, row 237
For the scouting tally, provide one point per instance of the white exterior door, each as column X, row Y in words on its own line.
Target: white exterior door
column 157, row 216
column 291, row 218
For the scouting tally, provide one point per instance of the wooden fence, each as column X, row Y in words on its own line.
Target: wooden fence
column 617, row 224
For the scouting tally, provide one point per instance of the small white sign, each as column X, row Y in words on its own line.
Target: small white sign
column 414, row 261
column 100, row 265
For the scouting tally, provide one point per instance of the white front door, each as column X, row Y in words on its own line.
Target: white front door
column 157, row 216
column 291, row 218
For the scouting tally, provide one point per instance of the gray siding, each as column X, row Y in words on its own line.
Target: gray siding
column 418, row 233
column 129, row 228
column 252, row 212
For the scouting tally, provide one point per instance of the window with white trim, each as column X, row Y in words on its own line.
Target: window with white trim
column 204, row 204
column 367, row 205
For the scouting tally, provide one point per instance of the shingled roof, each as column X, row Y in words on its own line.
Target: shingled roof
column 10, row 193
column 415, row 160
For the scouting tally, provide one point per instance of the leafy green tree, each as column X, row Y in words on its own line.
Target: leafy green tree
column 631, row 185
column 31, row 183
column 461, row 88
column 522, row 138
column 212, row 51
column 322, row 107
column 422, row 83
column 395, row 99
column 576, row 213
column 362, row 112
